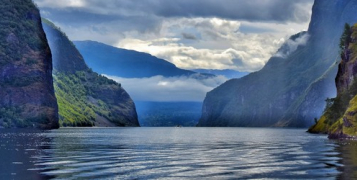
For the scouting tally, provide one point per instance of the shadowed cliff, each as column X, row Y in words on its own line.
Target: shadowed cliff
column 26, row 91
column 291, row 89
column 84, row 97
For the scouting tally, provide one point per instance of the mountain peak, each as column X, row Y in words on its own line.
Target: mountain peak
column 110, row 60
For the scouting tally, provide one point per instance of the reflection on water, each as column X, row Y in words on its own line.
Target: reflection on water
column 348, row 153
column 18, row 152
column 177, row 153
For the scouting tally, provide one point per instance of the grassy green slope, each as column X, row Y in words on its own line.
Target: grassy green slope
column 85, row 98
column 340, row 118
column 75, row 97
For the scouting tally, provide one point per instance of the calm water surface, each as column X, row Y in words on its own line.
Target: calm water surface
column 174, row 153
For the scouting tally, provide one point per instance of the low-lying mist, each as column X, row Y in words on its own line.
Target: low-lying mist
column 159, row 88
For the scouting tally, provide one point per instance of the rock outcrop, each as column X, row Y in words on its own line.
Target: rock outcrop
column 26, row 86
column 340, row 117
column 85, row 98
column 290, row 90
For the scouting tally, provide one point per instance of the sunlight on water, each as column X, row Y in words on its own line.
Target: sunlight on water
column 174, row 153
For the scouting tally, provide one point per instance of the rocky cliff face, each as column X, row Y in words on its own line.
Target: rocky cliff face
column 347, row 68
column 84, row 97
column 27, row 96
column 290, row 90
column 339, row 119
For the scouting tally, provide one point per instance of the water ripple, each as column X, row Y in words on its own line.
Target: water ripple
column 179, row 153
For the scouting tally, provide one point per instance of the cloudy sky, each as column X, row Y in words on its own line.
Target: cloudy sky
column 210, row 34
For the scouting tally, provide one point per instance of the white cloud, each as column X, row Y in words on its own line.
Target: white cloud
column 219, row 44
column 62, row 3
column 291, row 45
column 159, row 88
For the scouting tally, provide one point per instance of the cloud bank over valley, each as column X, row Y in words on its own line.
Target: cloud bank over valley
column 168, row 89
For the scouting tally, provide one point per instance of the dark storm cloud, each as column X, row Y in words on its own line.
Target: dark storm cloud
column 76, row 17
column 189, row 36
column 253, row 29
column 249, row 10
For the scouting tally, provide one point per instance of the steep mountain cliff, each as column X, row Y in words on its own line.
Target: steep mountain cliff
column 340, row 117
column 84, row 97
column 27, row 96
column 109, row 60
column 291, row 88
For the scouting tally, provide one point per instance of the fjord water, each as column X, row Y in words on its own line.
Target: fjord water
column 174, row 153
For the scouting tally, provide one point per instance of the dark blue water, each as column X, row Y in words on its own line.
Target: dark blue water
column 174, row 153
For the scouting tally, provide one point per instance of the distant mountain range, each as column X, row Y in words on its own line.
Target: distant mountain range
column 228, row 73
column 110, row 60
column 123, row 63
